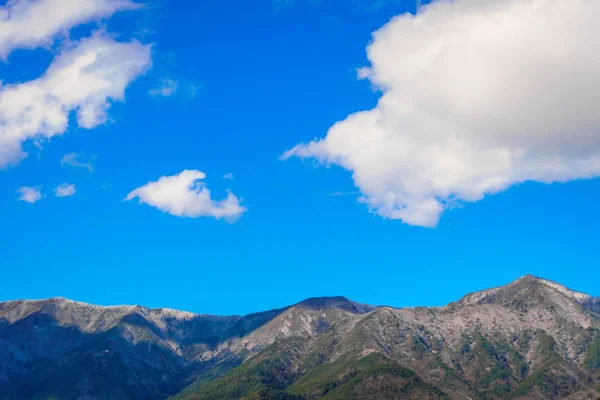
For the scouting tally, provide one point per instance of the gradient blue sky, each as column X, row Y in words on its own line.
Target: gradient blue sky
column 266, row 77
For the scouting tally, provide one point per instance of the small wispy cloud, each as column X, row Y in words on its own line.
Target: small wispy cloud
column 29, row 194
column 338, row 194
column 75, row 160
column 193, row 89
column 167, row 87
column 182, row 89
column 65, row 190
column 228, row 176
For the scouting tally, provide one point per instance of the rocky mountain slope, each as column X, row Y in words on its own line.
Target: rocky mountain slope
column 531, row 339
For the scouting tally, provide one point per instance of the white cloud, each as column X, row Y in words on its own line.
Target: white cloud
column 184, row 195
column 65, row 190
column 29, row 194
column 182, row 88
column 228, row 176
column 85, row 79
column 478, row 95
column 73, row 160
column 167, row 87
column 34, row 23
column 340, row 194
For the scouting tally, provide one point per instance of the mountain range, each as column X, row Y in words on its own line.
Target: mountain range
column 530, row 339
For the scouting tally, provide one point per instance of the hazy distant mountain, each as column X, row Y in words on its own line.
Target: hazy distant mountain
column 531, row 339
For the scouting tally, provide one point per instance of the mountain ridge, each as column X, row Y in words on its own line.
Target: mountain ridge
column 532, row 336
column 582, row 297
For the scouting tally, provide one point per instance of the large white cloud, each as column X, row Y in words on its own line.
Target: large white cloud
column 184, row 195
column 33, row 23
column 85, row 78
column 478, row 95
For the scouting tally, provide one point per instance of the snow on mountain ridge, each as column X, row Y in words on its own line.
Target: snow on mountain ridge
column 580, row 297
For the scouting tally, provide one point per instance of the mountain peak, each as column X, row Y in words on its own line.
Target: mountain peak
column 339, row 302
column 524, row 292
column 572, row 294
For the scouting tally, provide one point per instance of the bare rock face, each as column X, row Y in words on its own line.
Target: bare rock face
column 531, row 339
column 592, row 304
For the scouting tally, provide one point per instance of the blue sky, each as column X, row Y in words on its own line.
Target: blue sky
column 249, row 81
